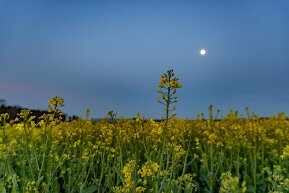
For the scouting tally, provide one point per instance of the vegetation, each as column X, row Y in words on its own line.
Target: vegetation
column 233, row 154
column 13, row 111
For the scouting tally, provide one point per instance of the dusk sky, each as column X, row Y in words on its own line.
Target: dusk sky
column 109, row 55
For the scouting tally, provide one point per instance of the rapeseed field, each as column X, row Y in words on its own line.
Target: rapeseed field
column 232, row 154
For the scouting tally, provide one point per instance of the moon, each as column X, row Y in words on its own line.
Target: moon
column 203, row 52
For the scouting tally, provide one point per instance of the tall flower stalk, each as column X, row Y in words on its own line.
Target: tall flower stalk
column 168, row 86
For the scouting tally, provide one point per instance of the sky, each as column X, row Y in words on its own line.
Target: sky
column 110, row 54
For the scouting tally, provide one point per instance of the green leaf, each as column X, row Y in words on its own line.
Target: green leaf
column 3, row 190
column 14, row 183
column 39, row 181
column 91, row 189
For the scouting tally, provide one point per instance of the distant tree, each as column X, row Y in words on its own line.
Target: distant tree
column 2, row 102
column 14, row 110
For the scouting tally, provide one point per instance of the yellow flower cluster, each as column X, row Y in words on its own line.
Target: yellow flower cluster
column 230, row 183
column 248, row 133
column 148, row 169
column 31, row 187
column 177, row 151
column 285, row 153
column 127, row 171
column 277, row 178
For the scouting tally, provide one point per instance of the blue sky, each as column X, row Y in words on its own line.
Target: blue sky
column 109, row 55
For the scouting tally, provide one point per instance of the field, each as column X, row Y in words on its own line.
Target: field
column 233, row 154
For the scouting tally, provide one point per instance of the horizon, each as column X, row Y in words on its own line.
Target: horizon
column 247, row 113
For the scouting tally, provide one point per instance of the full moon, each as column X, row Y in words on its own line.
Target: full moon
column 202, row 52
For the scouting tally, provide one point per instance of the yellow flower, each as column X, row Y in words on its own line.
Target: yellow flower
column 20, row 126
column 140, row 189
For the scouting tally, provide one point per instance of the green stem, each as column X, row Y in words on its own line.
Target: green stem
column 102, row 170
column 238, row 160
column 4, row 134
column 44, row 153
column 211, row 168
